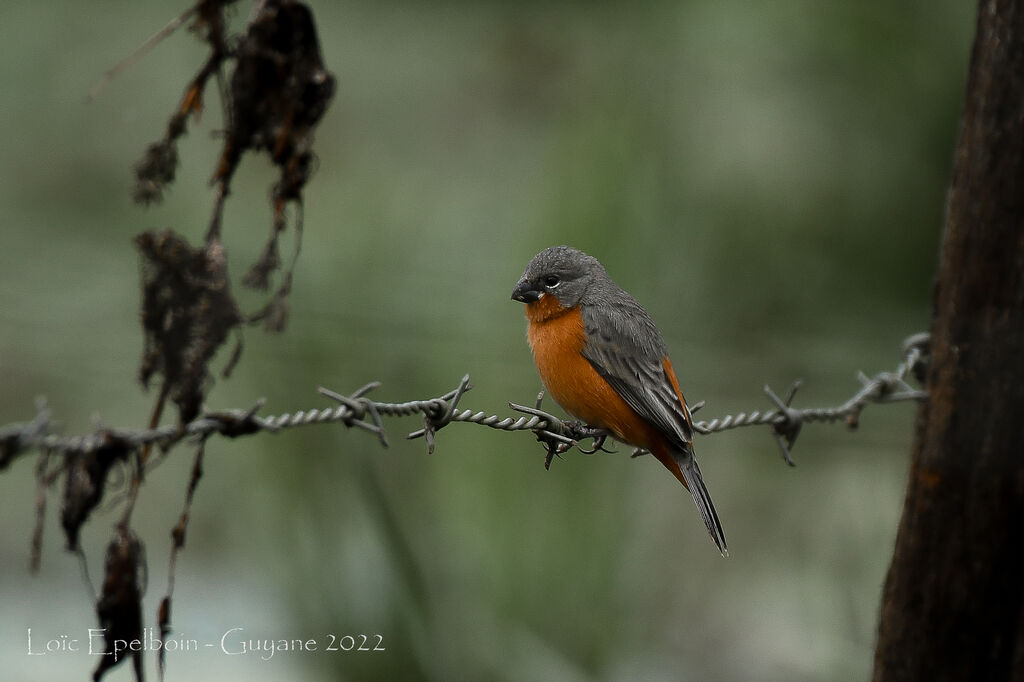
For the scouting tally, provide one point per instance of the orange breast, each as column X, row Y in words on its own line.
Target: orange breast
column 557, row 338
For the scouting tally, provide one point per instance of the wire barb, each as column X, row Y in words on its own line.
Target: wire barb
column 359, row 408
column 787, row 429
column 438, row 413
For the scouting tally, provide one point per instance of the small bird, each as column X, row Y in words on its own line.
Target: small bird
column 602, row 358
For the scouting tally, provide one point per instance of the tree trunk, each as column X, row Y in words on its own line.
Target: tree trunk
column 953, row 606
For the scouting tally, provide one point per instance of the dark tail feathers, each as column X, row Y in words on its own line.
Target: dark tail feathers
column 695, row 482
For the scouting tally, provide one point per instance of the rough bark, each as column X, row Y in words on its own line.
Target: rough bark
column 953, row 606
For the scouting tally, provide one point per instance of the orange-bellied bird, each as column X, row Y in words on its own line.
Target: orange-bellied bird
column 601, row 356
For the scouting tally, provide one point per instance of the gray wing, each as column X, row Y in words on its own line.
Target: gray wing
column 626, row 348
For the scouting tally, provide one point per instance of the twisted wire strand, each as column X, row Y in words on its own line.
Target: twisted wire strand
column 884, row 387
column 356, row 410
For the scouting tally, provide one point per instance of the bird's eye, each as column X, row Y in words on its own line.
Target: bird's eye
column 552, row 281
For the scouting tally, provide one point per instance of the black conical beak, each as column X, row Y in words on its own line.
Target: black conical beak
column 525, row 293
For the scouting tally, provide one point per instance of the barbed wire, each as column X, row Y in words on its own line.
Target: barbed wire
column 558, row 435
column 84, row 461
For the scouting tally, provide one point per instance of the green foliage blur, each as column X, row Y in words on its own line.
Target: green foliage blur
column 768, row 178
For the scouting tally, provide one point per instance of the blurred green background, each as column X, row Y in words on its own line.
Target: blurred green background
column 767, row 177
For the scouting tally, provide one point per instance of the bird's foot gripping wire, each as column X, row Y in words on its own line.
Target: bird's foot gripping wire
column 560, row 436
column 598, row 443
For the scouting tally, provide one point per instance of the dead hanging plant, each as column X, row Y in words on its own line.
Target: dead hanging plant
column 274, row 89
